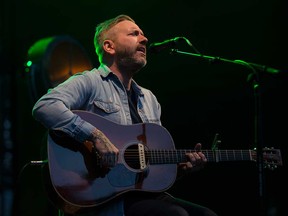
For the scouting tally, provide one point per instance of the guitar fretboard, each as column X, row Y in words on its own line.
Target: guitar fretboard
column 178, row 156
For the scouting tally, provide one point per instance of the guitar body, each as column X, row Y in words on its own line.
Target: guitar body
column 79, row 182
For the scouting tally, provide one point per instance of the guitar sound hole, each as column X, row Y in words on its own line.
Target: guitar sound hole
column 133, row 158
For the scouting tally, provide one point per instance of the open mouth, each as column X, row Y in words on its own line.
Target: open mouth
column 142, row 49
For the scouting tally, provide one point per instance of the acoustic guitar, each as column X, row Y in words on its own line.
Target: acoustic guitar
column 147, row 161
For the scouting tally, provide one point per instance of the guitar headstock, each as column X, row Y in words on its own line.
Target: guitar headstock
column 271, row 158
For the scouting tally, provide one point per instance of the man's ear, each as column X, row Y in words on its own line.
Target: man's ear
column 108, row 46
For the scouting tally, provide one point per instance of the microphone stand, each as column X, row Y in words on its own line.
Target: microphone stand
column 258, row 134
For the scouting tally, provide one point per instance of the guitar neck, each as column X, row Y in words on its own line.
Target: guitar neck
column 178, row 156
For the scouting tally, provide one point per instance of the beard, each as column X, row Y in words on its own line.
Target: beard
column 130, row 61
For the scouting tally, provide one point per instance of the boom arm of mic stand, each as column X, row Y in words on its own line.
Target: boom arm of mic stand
column 212, row 59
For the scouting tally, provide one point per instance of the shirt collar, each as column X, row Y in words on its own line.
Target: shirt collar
column 104, row 70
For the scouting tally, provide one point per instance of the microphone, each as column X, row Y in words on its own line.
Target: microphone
column 167, row 44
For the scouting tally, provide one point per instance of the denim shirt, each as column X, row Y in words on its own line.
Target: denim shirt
column 98, row 91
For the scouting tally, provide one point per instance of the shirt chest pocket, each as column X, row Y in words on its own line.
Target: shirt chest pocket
column 102, row 107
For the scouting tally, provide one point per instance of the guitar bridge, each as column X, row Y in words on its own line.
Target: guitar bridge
column 142, row 160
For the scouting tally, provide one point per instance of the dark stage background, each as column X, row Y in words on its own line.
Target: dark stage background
column 199, row 98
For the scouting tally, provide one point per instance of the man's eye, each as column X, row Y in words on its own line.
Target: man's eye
column 136, row 33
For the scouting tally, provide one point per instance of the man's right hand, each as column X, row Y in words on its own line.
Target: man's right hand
column 107, row 152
